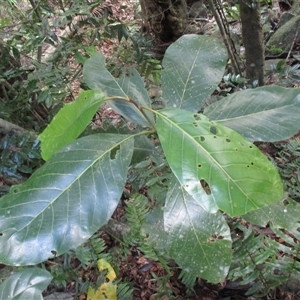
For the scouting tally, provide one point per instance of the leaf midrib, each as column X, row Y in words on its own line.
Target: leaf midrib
column 72, row 182
column 250, row 114
column 208, row 154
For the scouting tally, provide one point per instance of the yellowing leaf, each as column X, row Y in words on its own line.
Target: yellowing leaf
column 104, row 265
column 107, row 290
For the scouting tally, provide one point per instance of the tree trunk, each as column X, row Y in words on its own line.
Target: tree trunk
column 165, row 20
column 253, row 40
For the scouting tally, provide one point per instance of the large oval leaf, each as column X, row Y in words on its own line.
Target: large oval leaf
column 129, row 86
column 96, row 76
column 193, row 66
column 25, row 284
column 70, row 122
column 65, row 201
column 216, row 165
column 198, row 241
column 269, row 113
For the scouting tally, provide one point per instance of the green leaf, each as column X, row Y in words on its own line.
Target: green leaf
column 216, row 165
column 65, row 201
column 25, row 284
column 192, row 68
column 134, row 87
column 130, row 87
column 153, row 226
column 282, row 215
column 96, row 76
column 269, row 113
column 143, row 147
column 70, row 122
column 199, row 242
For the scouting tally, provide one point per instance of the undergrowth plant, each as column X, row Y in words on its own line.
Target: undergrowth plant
column 288, row 161
column 134, row 49
column 20, row 155
column 37, row 44
column 208, row 169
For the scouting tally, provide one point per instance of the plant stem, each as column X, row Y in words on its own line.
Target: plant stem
column 218, row 14
column 140, row 108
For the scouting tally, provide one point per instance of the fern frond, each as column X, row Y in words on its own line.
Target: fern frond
column 188, row 280
column 93, row 250
column 98, row 247
column 288, row 162
column 265, row 262
column 124, row 291
column 250, row 258
column 136, row 210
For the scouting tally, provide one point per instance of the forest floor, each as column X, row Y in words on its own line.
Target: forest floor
column 147, row 276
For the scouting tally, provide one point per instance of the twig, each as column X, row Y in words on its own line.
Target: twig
column 36, row 9
column 6, row 127
column 292, row 45
column 224, row 33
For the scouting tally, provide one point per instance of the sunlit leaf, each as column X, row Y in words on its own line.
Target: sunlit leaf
column 216, row 165
column 70, row 122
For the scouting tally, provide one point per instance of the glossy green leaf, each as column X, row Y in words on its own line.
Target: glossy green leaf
column 216, row 165
column 26, row 284
column 199, row 242
column 129, row 87
column 193, row 66
column 65, row 201
column 70, row 122
column 269, row 113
